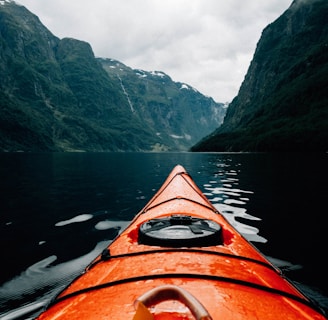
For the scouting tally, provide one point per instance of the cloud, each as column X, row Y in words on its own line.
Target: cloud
column 207, row 44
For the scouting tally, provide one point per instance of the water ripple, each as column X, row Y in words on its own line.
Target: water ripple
column 231, row 203
column 79, row 218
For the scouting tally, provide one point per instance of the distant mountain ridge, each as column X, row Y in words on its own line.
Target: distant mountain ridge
column 282, row 104
column 55, row 95
column 177, row 111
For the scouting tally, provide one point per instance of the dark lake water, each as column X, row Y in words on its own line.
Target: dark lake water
column 58, row 211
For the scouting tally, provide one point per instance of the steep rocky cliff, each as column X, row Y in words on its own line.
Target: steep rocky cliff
column 178, row 112
column 282, row 104
column 55, row 95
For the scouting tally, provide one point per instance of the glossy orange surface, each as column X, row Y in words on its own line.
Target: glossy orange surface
column 231, row 280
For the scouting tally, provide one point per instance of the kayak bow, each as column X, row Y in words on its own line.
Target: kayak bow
column 181, row 259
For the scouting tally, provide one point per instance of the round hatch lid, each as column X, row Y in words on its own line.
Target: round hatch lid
column 180, row 231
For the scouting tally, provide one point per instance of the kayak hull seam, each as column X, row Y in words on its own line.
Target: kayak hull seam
column 107, row 256
column 188, row 276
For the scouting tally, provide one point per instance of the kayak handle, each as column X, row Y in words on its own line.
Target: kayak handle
column 171, row 292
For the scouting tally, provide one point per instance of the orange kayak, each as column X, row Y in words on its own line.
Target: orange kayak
column 181, row 259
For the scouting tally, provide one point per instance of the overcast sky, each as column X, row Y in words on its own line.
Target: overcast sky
column 207, row 44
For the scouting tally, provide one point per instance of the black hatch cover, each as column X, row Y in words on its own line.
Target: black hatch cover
column 180, row 231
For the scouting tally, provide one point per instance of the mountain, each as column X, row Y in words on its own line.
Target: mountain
column 282, row 104
column 178, row 112
column 55, row 95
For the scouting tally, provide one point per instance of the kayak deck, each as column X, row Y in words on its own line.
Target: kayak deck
column 180, row 259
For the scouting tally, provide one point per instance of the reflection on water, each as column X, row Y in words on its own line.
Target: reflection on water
column 27, row 293
column 79, row 218
column 230, row 201
column 34, row 288
column 60, row 210
column 249, row 232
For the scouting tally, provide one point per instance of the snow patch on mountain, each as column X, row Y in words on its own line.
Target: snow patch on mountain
column 3, row 2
